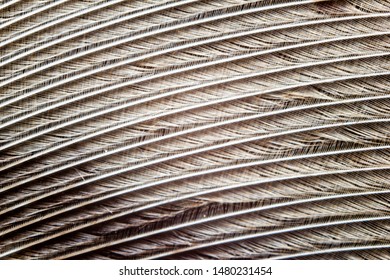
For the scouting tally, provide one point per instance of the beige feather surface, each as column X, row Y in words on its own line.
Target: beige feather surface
column 194, row 129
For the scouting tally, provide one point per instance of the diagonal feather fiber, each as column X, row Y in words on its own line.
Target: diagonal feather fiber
column 194, row 129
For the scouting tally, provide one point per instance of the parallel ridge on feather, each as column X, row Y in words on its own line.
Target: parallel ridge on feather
column 167, row 129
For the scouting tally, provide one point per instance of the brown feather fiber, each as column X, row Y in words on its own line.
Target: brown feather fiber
column 195, row 129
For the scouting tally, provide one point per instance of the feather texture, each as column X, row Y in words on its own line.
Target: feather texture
column 166, row 129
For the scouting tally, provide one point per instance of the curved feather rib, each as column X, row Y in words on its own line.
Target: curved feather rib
column 93, row 28
column 56, row 105
column 98, row 220
column 191, row 175
column 110, row 243
column 137, row 102
column 22, row 53
column 35, row 198
column 143, row 35
column 125, row 83
column 67, row 78
column 32, row 178
column 9, row 3
column 11, row 120
column 334, row 250
column 58, row 20
column 180, row 155
column 32, row 13
column 288, row 230
column 155, row 30
column 111, row 109
column 216, row 124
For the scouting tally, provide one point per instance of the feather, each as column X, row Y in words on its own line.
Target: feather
column 194, row 129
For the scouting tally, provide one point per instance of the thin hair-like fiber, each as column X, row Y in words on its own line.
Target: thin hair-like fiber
column 194, row 129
